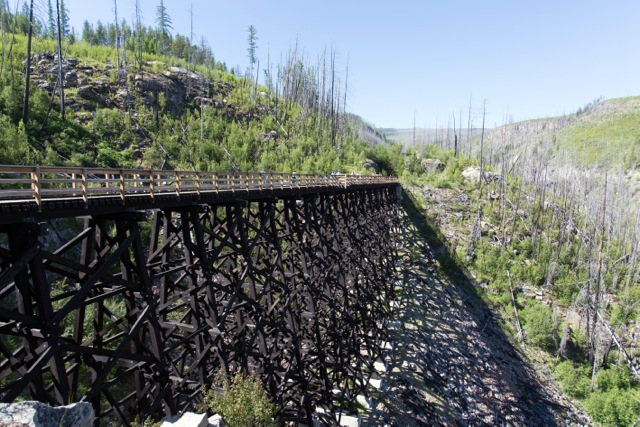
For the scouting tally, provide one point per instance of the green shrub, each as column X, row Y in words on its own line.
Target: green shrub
column 538, row 326
column 14, row 144
column 573, row 380
column 614, row 378
column 242, row 402
column 615, row 407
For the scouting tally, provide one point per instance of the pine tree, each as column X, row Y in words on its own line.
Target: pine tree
column 117, row 34
column 164, row 25
column 253, row 46
column 88, row 35
column 138, row 35
column 51, row 26
column 64, row 19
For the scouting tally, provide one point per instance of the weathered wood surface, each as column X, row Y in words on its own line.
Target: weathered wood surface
column 135, row 311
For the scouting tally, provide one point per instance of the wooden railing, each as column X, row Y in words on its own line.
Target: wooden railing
column 41, row 183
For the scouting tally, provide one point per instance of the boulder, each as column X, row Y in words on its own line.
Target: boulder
column 33, row 413
column 472, row 173
column 97, row 92
column 371, row 166
column 71, row 79
column 432, row 165
column 188, row 419
column 86, row 69
column 216, row 421
column 267, row 136
column 174, row 92
column 41, row 84
column 184, row 73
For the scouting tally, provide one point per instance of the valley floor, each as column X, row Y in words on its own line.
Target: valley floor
column 452, row 364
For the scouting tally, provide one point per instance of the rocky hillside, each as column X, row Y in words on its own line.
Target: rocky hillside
column 604, row 133
column 91, row 86
column 452, row 363
column 170, row 116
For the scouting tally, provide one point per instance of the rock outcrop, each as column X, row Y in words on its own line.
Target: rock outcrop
column 38, row 414
column 175, row 90
column 432, row 165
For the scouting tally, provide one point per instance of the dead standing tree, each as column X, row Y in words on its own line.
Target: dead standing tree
column 484, row 115
column 27, row 72
column 60, row 70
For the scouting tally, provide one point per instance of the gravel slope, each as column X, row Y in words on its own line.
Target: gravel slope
column 452, row 364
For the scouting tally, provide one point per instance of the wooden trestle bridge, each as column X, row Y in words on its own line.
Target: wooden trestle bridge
column 130, row 289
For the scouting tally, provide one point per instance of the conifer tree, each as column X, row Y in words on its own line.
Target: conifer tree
column 117, row 40
column 51, row 25
column 64, row 19
column 253, row 46
column 164, row 25
column 138, row 35
column 88, row 34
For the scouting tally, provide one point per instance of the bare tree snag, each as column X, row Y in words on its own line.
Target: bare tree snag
column 60, row 71
column 515, row 310
column 27, row 73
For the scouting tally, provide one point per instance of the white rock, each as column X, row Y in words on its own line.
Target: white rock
column 216, row 421
column 375, row 383
column 188, row 419
column 365, row 401
column 38, row 414
column 380, row 366
column 341, row 419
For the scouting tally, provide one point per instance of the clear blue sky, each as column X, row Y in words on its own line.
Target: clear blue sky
column 527, row 59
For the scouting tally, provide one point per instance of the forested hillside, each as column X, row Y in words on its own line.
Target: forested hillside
column 541, row 214
column 544, row 216
column 137, row 96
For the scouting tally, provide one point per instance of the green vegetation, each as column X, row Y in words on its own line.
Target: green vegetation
column 534, row 247
column 539, row 328
column 537, row 245
column 241, row 126
column 614, row 402
column 610, row 137
column 242, row 402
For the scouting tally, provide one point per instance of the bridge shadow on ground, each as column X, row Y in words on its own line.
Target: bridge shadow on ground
column 452, row 364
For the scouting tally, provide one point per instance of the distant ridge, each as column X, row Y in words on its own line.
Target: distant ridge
column 603, row 133
column 424, row 135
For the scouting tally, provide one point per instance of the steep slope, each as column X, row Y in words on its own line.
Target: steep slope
column 547, row 258
column 453, row 363
column 604, row 134
column 166, row 113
